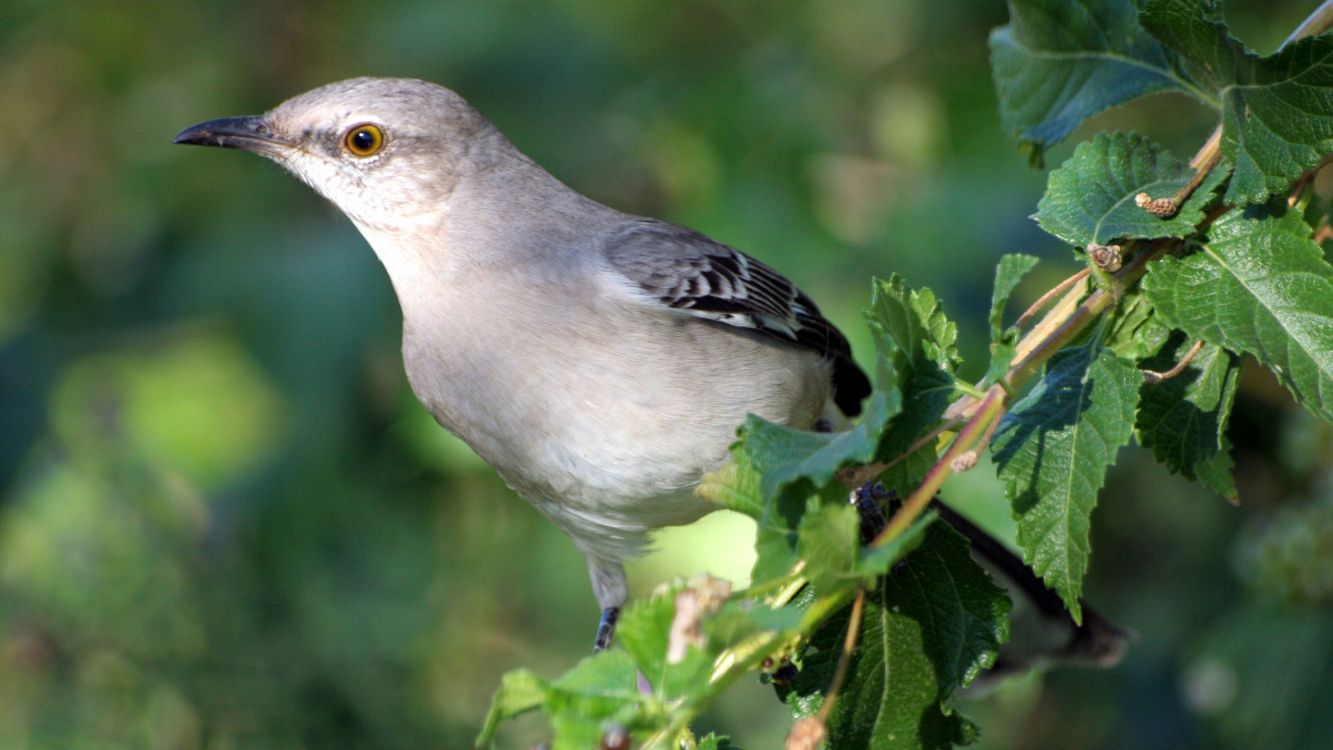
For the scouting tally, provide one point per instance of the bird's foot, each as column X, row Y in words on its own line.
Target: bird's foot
column 606, row 627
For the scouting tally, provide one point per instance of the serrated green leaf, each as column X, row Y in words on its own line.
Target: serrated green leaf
column 1260, row 285
column 1277, row 111
column 1058, row 63
column 735, row 485
column 830, row 544
column 1183, row 419
column 1052, row 451
column 1090, row 198
column 600, row 690
column 785, row 457
column 716, row 742
column 645, row 632
column 910, row 327
column 1136, row 331
column 931, row 626
column 1008, row 273
column 829, row 538
column 1001, row 357
column 520, row 691
column 1011, row 270
column 918, row 341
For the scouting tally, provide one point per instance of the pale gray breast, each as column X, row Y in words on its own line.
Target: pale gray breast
column 598, row 401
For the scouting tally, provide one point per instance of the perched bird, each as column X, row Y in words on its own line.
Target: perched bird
column 599, row 361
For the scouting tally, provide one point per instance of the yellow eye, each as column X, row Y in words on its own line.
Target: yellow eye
column 364, row 140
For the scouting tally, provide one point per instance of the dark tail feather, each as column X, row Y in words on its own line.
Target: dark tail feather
column 1043, row 630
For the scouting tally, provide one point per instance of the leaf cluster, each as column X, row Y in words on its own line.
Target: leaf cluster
column 1145, row 347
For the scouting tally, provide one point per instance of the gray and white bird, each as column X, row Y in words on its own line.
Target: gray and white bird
column 599, row 361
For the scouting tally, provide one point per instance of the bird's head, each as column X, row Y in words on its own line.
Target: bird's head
column 384, row 150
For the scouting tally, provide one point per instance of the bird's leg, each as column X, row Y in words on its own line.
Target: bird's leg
column 608, row 585
column 606, row 627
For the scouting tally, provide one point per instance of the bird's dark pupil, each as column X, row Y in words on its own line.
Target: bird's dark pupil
column 364, row 140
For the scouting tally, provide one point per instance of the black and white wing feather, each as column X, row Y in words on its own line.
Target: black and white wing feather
column 687, row 271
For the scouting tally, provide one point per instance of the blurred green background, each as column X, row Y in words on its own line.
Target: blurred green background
column 225, row 522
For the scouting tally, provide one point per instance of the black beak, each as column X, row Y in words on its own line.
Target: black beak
column 248, row 133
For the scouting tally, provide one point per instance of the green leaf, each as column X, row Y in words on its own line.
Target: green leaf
column 1058, row 63
column 919, row 343
column 1001, row 357
column 737, row 485
column 931, row 626
column 520, row 691
column 1136, row 330
column 1090, row 198
column 1011, row 270
column 1260, row 285
column 1277, row 111
column 807, row 461
column 830, row 544
column 600, row 690
column 716, row 742
column 645, row 632
column 829, row 540
column 1183, row 419
column 1008, row 273
column 1052, row 451
column 876, row 561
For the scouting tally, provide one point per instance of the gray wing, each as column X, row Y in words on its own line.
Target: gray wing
column 686, row 270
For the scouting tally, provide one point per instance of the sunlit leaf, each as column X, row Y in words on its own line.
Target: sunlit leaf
column 913, row 334
column 1058, row 63
column 1090, row 198
column 1277, row 111
column 1052, row 451
column 1011, row 270
column 785, row 457
column 1260, row 285
column 599, row 691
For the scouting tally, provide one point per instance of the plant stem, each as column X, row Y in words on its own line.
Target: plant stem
column 1316, row 23
column 844, row 659
column 1045, row 299
column 978, row 426
column 855, row 476
column 1153, row 376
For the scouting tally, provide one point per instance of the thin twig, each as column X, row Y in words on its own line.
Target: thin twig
column 1154, row 377
column 855, row 476
column 968, row 459
column 1203, row 162
column 1209, row 152
column 845, row 658
column 1323, row 234
column 1316, row 23
column 978, row 426
column 1045, row 299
